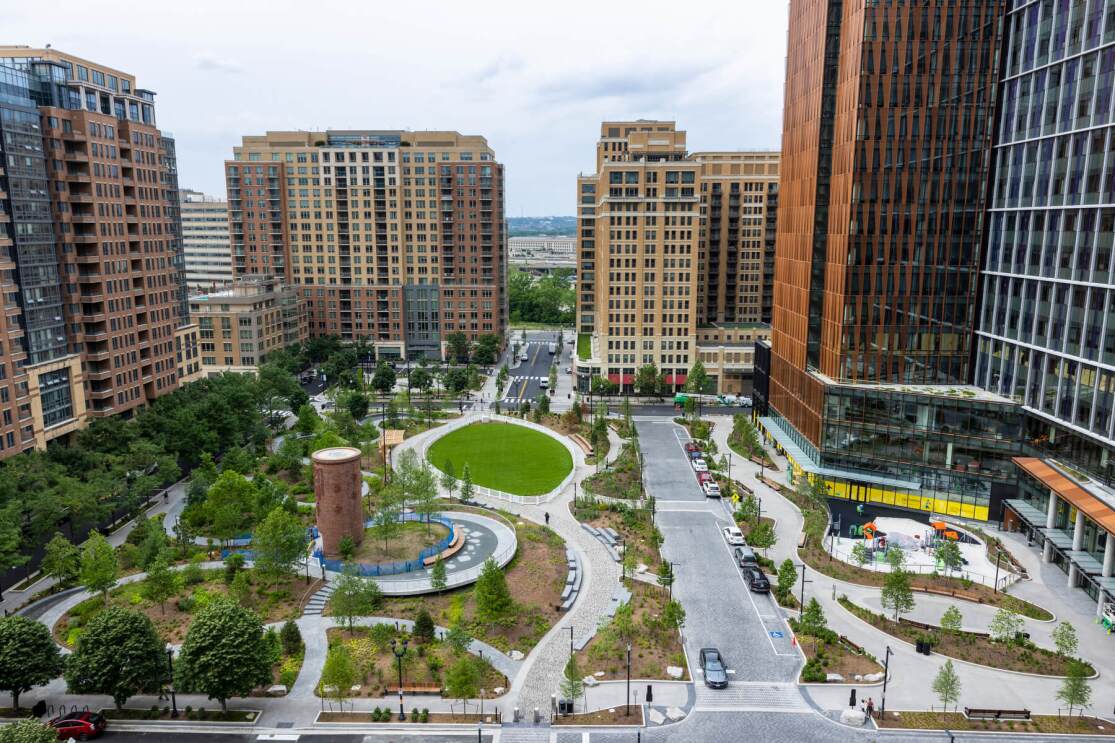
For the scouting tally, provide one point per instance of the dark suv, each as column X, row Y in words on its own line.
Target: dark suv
column 712, row 664
column 756, row 581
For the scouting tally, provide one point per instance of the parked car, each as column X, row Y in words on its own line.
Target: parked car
column 745, row 402
column 699, row 465
column 745, row 556
column 703, row 477
column 756, row 581
column 712, row 490
column 734, row 535
column 79, row 725
column 544, row 383
column 691, row 446
column 696, row 455
column 712, row 666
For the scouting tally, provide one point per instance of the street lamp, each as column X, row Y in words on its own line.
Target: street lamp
column 627, row 701
column 173, row 697
column 886, row 676
column 400, row 651
column 673, row 577
column 481, row 705
column 570, row 641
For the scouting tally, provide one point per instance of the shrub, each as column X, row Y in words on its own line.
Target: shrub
column 288, row 671
column 425, row 714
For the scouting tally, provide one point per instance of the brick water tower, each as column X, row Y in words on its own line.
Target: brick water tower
column 337, row 490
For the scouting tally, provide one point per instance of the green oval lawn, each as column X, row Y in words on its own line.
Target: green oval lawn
column 504, row 456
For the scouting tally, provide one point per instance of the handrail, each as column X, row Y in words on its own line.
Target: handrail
column 392, row 568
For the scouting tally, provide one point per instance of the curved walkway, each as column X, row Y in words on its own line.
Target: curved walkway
column 910, row 685
column 542, row 669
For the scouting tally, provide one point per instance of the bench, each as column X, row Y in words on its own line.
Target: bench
column 611, row 533
column 801, row 539
column 976, row 713
column 590, row 529
column 453, row 548
column 858, row 649
column 580, row 441
column 415, row 689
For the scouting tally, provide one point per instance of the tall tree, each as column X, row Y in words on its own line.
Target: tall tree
column 572, row 683
column 384, row 378
column 449, row 478
column 279, row 542
column 787, row 577
column 339, row 674
column 949, row 555
column 493, row 598
column 354, row 596
column 952, row 620
column 61, row 560
column 423, row 493
column 1075, row 690
column 1065, row 640
column 946, row 685
column 224, row 654
column 438, row 579
column 462, row 680
column 646, row 380
column 29, row 656
column 458, row 346
column 1005, row 625
column 160, row 584
column 698, row 378
column 897, row 596
column 813, row 622
column 467, row 489
column 98, row 565
column 11, row 538
column 119, row 654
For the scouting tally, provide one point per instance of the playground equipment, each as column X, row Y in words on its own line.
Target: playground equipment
column 1107, row 618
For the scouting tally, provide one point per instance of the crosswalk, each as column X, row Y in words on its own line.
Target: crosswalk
column 750, row 697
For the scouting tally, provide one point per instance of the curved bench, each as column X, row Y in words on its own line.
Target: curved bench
column 454, row 547
column 580, row 441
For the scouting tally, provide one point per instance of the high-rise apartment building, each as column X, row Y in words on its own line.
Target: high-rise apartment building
column 1046, row 335
column 393, row 237
column 669, row 244
column 205, row 244
column 88, row 206
column 888, row 119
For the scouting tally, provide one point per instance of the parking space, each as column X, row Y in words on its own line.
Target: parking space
column 667, row 472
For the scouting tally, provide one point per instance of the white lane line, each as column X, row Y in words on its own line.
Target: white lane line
column 751, row 598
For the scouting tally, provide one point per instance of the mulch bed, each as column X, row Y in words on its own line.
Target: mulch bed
column 443, row 718
column 195, row 715
column 1050, row 724
column 614, row 716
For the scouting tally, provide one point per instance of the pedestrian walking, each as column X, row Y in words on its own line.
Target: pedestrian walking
column 547, row 515
column 870, row 707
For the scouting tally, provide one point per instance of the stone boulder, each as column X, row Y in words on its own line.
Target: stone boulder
column 873, row 678
column 278, row 690
column 675, row 713
column 656, row 717
column 853, row 716
column 834, row 677
column 590, row 681
column 516, row 655
column 675, row 672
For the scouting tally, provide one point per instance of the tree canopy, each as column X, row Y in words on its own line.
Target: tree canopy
column 29, row 656
column 119, row 654
column 224, row 654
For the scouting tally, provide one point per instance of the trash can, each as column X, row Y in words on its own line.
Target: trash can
column 650, row 693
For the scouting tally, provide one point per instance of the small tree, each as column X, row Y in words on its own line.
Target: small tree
column 1064, row 638
column 462, row 680
column 449, row 478
column 438, row 578
column 346, row 547
column 61, row 560
column 278, row 542
column 224, row 654
column 1075, row 690
column 466, row 484
column 241, row 589
column 859, row 554
column 338, row 674
column 424, row 626
column 897, row 596
column 291, row 638
column 119, row 654
column 949, row 555
column 1005, row 625
column 787, row 577
column 946, row 685
column 423, row 493
column 29, row 656
column 674, row 614
column 354, row 596
column 98, row 565
column 748, row 510
column 160, row 584
column 493, row 598
column 951, row 620
column 572, row 683
column 27, row 731
column 895, row 557
column 458, row 639
column 813, row 620
column 665, row 574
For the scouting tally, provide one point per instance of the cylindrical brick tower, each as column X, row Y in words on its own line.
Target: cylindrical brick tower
column 337, row 489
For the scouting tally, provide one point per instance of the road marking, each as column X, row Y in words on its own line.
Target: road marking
column 755, row 606
column 751, row 697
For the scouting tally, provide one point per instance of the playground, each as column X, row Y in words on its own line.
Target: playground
column 919, row 541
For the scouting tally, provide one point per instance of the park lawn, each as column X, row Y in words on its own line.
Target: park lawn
column 274, row 603
column 535, row 579
column 1048, row 724
column 971, row 647
column 411, row 540
column 504, row 456
column 423, row 665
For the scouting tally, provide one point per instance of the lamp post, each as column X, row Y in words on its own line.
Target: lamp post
column 886, row 676
column 570, row 642
column 173, row 696
column 627, row 700
column 998, row 559
column 801, row 603
column 673, row 577
column 400, row 651
column 481, row 704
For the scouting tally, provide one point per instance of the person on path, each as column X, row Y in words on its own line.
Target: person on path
column 870, row 707
column 547, row 515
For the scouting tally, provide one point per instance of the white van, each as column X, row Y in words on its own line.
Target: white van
column 544, row 384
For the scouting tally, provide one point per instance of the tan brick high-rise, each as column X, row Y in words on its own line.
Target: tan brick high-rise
column 89, row 213
column 393, row 237
column 340, row 510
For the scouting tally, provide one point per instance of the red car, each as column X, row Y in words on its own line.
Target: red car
column 703, row 477
column 691, row 446
column 80, row 725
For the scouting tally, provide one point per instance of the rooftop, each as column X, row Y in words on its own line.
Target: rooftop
column 955, row 391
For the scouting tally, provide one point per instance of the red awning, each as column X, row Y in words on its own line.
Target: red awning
column 627, row 378
column 676, row 378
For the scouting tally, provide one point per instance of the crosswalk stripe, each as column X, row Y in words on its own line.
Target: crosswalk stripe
column 750, row 697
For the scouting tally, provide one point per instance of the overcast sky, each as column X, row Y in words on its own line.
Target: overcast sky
column 535, row 78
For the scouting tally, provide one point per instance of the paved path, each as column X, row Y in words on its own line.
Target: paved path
column 912, row 674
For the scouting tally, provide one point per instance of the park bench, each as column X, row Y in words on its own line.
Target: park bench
column 453, row 548
column 801, row 539
column 857, row 649
column 415, row 689
column 580, row 441
column 976, row 713
column 590, row 529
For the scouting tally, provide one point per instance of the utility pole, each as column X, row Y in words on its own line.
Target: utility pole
column 801, row 603
column 998, row 559
column 886, row 676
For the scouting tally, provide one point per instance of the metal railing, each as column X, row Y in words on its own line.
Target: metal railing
column 527, row 500
column 395, row 587
column 1006, row 577
column 393, row 568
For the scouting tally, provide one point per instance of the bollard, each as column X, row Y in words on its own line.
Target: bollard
column 515, row 715
column 650, row 693
column 852, row 699
column 537, row 716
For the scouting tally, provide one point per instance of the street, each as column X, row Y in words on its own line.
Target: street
column 526, row 378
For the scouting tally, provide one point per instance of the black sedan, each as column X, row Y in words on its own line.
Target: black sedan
column 712, row 664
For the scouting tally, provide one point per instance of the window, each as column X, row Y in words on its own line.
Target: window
column 82, row 73
column 98, row 78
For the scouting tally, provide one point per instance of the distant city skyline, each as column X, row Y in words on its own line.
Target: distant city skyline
column 536, row 90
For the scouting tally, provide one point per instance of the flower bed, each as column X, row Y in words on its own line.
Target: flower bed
column 1048, row 724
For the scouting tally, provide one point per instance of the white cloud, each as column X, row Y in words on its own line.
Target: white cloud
column 535, row 79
